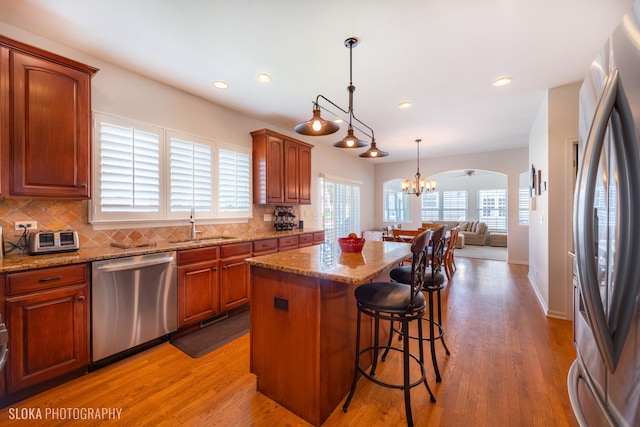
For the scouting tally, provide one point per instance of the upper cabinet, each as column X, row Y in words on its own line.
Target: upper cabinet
column 281, row 169
column 45, row 138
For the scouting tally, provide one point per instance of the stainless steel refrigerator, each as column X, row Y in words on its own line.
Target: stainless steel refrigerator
column 604, row 381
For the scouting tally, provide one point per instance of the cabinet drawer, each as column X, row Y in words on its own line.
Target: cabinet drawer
column 318, row 237
column 305, row 240
column 265, row 245
column 192, row 256
column 288, row 242
column 235, row 249
column 46, row 278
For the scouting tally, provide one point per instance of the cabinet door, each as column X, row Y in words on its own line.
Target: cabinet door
column 198, row 296
column 275, row 166
column 48, row 335
column 5, row 117
column 50, row 141
column 234, row 283
column 304, row 174
column 291, row 180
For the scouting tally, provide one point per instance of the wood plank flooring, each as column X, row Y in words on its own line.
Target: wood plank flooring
column 508, row 367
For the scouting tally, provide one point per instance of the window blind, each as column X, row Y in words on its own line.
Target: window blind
column 454, row 205
column 234, row 181
column 492, row 208
column 431, row 206
column 190, row 176
column 341, row 209
column 523, row 206
column 129, row 169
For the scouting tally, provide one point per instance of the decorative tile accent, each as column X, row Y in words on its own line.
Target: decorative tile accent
column 57, row 215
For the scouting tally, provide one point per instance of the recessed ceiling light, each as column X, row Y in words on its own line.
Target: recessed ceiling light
column 502, row 81
column 220, row 84
column 264, row 77
column 405, row 104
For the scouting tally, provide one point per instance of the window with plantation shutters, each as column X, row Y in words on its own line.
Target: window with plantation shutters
column 190, row 176
column 341, row 208
column 234, row 182
column 454, row 205
column 431, row 206
column 146, row 174
column 492, row 208
column 129, row 169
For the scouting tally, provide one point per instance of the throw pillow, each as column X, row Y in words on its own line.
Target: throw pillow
column 463, row 226
column 474, row 226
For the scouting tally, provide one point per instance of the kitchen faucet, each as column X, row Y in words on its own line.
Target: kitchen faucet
column 192, row 220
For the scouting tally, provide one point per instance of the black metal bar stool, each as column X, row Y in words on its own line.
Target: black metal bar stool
column 400, row 303
column 433, row 283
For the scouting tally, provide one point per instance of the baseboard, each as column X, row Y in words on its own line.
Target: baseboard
column 541, row 300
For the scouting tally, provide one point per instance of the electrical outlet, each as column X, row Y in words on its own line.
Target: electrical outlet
column 267, row 217
column 29, row 225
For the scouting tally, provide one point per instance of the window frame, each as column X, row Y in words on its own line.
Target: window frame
column 164, row 216
column 493, row 222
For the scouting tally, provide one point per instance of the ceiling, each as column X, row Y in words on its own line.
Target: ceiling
column 441, row 55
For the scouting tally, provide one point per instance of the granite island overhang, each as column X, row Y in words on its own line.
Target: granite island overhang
column 303, row 321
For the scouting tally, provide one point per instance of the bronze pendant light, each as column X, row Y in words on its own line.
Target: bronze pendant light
column 317, row 126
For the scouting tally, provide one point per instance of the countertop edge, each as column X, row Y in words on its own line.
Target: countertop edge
column 15, row 263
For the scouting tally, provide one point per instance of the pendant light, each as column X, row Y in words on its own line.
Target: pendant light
column 317, row 126
column 373, row 152
column 419, row 185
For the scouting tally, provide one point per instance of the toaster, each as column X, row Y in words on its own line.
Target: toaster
column 45, row 242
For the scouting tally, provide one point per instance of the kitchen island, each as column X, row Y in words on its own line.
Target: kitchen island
column 303, row 322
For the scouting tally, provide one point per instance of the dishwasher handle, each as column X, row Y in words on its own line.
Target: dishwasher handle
column 134, row 265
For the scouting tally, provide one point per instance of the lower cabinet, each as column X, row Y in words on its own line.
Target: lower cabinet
column 47, row 317
column 235, row 275
column 198, row 285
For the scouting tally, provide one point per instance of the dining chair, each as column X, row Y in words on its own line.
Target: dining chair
column 449, row 254
column 406, row 236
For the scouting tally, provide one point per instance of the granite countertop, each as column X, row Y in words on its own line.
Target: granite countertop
column 327, row 261
column 13, row 263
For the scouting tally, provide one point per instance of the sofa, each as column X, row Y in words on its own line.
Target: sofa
column 475, row 232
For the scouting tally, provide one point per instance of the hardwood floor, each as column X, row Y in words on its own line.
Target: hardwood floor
column 508, row 367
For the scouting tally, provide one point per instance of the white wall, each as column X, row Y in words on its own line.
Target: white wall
column 509, row 162
column 124, row 93
column 550, row 239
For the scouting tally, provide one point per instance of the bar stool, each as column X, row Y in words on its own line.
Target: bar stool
column 400, row 303
column 433, row 283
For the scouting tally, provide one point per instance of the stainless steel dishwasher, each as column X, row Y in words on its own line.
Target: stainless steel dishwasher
column 134, row 301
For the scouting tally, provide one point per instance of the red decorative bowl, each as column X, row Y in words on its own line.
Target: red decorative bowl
column 351, row 245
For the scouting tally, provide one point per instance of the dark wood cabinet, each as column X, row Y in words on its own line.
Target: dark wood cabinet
column 45, row 135
column 304, row 174
column 318, row 237
column 287, row 242
column 47, row 317
column 235, row 275
column 198, row 285
column 305, row 240
column 264, row 246
column 281, row 169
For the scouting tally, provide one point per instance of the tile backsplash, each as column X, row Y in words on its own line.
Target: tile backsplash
column 57, row 215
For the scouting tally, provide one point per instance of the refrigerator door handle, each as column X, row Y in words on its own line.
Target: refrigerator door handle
column 609, row 331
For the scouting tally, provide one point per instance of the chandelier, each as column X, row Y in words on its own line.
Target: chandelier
column 317, row 126
column 419, row 185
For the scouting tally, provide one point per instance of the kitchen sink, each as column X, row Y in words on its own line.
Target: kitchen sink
column 203, row 239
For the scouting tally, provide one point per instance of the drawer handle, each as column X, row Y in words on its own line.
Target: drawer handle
column 81, row 298
column 49, row 279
